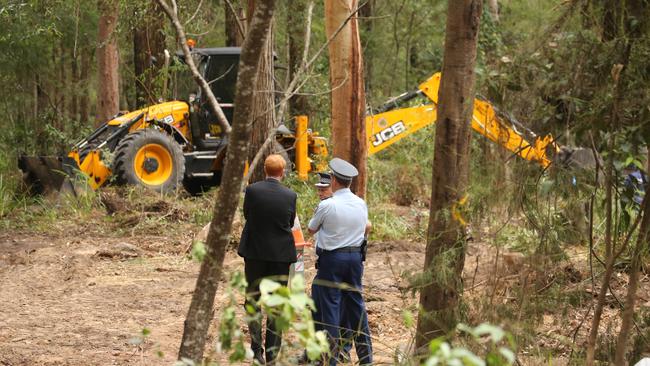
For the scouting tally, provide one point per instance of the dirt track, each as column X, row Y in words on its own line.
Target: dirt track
column 74, row 297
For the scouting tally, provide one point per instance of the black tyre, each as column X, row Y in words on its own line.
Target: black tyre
column 149, row 158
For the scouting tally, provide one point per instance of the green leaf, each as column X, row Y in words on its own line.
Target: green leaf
column 407, row 317
column 146, row 332
column 297, row 284
column 198, row 251
column 434, row 346
column 274, row 300
column 496, row 334
column 267, row 286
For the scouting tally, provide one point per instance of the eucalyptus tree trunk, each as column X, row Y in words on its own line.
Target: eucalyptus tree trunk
column 349, row 140
column 148, row 52
column 234, row 19
column 298, row 104
column 445, row 253
column 108, row 93
column 200, row 313
column 366, row 12
column 84, row 72
column 263, row 108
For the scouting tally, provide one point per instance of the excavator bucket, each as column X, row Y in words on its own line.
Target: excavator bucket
column 45, row 175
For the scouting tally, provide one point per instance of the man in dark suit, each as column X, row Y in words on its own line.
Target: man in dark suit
column 267, row 246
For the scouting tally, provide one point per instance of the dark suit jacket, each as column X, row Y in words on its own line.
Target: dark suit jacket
column 269, row 210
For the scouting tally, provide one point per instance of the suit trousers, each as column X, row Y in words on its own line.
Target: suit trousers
column 255, row 270
column 335, row 269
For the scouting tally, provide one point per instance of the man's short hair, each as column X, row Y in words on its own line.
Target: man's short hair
column 274, row 165
column 344, row 182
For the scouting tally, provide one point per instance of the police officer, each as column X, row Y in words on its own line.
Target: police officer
column 341, row 223
column 324, row 186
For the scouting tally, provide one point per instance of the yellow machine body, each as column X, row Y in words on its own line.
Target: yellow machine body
column 385, row 129
column 175, row 113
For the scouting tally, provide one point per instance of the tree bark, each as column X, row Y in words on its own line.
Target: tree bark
column 108, row 95
column 234, row 35
column 148, row 44
column 366, row 12
column 74, row 92
column 84, row 100
column 348, row 96
column 263, row 108
column 63, row 85
column 445, row 253
column 200, row 313
column 298, row 104
column 611, row 19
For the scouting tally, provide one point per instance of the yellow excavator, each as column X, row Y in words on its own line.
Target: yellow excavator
column 390, row 123
column 176, row 143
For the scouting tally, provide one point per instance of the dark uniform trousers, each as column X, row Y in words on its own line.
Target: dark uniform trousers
column 333, row 303
column 255, row 271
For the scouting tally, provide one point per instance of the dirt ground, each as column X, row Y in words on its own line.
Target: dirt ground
column 68, row 297
column 79, row 300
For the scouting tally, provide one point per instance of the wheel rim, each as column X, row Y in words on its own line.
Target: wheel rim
column 153, row 164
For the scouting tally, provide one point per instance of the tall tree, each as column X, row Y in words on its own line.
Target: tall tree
column 445, row 253
column 199, row 315
column 148, row 51
column 84, row 75
column 108, row 95
column 298, row 104
column 366, row 12
column 263, row 104
column 346, row 80
column 235, row 27
column 263, row 109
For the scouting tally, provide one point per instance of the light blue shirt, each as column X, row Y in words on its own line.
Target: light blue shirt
column 340, row 221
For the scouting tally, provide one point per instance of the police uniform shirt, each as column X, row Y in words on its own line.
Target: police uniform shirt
column 340, row 221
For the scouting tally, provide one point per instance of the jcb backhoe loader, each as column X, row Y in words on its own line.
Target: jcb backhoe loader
column 389, row 124
column 176, row 142
column 161, row 146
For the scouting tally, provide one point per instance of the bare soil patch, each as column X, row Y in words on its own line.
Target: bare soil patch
column 77, row 296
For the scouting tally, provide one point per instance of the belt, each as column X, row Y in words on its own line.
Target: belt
column 341, row 250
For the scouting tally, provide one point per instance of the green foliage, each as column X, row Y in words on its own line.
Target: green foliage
column 198, row 251
column 231, row 338
column 292, row 310
column 497, row 348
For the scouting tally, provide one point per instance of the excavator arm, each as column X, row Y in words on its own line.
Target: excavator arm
column 392, row 124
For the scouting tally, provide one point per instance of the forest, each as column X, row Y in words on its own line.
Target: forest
column 501, row 148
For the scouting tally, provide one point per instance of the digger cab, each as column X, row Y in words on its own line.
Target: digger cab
column 218, row 67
